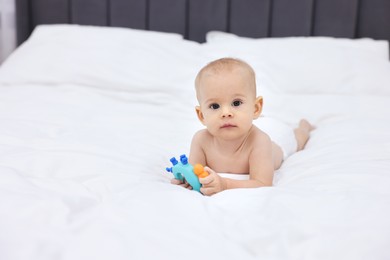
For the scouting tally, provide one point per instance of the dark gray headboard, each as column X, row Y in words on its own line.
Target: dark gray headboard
column 193, row 18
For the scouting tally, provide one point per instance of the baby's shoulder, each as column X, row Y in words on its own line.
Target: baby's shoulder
column 202, row 135
column 259, row 135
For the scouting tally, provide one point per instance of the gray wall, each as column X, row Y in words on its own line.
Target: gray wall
column 7, row 28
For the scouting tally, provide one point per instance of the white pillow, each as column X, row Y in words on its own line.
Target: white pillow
column 376, row 48
column 103, row 57
column 311, row 65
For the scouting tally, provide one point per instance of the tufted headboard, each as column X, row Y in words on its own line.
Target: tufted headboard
column 193, row 18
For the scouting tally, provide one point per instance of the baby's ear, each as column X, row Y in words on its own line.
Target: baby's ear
column 258, row 107
column 199, row 114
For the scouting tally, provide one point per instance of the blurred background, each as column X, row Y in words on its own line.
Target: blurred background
column 7, row 28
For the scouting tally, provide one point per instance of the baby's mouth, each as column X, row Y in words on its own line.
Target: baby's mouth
column 227, row 125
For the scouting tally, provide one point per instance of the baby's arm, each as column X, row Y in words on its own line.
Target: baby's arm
column 214, row 183
column 196, row 156
column 196, row 151
column 263, row 160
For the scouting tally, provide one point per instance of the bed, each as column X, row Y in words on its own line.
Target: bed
column 99, row 96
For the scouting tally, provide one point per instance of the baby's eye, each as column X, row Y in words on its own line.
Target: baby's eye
column 236, row 103
column 214, row 106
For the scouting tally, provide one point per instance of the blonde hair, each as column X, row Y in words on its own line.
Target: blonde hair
column 225, row 64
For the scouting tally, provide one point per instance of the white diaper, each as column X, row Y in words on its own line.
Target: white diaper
column 280, row 133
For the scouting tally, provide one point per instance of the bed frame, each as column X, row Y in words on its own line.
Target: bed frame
column 193, row 18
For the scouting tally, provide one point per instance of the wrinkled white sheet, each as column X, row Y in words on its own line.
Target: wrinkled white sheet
column 89, row 118
column 82, row 176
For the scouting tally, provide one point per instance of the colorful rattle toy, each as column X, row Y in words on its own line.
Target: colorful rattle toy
column 184, row 171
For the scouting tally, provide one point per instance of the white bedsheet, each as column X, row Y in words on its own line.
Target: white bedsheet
column 82, row 177
column 82, row 174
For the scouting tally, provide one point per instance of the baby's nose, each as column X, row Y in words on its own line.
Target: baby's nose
column 226, row 112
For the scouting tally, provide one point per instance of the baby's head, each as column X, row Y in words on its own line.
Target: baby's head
column 218, row 69
column 226, row 92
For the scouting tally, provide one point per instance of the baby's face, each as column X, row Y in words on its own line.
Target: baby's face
column 228, row 103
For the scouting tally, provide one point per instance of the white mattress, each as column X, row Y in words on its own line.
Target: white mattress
column 82, row 175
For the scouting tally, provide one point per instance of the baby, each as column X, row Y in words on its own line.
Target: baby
column 226, row 92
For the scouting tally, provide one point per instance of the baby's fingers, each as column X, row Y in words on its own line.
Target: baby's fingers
column 183, row 184
column 176, row 181
column 206, row 180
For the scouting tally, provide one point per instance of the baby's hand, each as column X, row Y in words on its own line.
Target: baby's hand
column 212, row 184
column 181, row 183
